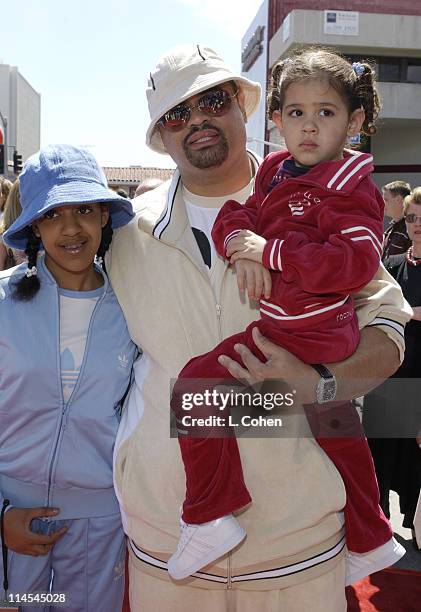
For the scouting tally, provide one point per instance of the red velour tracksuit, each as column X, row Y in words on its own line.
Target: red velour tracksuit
column 324, row 231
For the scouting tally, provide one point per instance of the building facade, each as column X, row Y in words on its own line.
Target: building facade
column 20, row 114
column 130, row 177
column 386, row 32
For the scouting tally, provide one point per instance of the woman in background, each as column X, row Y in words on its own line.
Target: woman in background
column 394, row 409
column 10, row 257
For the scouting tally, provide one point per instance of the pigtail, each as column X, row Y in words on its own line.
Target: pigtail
column 366, row 93
column 274, row 95
column 28, row 286
column 107, row 236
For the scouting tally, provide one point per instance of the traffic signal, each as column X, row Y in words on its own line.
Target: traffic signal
column 1, row 158
column 17, row 162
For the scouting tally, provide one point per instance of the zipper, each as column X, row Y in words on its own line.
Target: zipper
column 66, row 405
column 229, row 571
column 218, row 317
column 62, row 403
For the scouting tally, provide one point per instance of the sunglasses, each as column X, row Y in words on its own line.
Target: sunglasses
column 411, row 218
column 214, row 103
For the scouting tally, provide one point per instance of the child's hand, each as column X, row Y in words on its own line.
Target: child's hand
column 19, row 537
column 246, row 245
column 254, row 277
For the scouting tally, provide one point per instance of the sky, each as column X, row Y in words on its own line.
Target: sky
column 89, row 60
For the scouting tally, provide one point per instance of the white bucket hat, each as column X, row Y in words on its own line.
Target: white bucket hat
column 185, row 71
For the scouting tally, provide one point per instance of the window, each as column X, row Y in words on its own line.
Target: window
column 389, row 69
column 413, row 71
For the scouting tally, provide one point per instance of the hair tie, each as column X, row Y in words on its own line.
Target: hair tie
column 358, row 68
column 31, row 272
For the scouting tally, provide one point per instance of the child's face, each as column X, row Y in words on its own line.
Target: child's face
column 315, row 122
column 71, row 236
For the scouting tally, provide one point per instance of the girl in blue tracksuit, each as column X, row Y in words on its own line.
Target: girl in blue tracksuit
column 65, row 364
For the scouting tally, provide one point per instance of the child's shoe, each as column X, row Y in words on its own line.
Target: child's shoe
column 201, row 544
column 360, row 565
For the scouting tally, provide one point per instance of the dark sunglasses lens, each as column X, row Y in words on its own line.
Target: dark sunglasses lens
column 176, row 118
column 215, row 103
column 410, row 218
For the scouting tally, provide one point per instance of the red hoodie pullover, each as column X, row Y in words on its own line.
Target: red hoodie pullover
column 324, row 232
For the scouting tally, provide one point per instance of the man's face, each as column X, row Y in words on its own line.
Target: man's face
column 393, row 204
column 205, row 140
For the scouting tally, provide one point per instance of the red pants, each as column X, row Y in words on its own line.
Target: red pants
column 214, row 478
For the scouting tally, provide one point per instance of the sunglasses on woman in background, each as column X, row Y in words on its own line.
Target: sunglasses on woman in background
column 411, row 218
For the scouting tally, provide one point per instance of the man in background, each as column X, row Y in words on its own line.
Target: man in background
column 396, row 239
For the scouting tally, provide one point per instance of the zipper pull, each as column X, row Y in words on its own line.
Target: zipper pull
column 218, row 310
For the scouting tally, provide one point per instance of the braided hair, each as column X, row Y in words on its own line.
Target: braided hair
column 28, row 286
column 356, row 83
column 107, row 236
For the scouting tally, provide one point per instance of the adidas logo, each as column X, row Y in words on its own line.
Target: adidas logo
column 123, row 361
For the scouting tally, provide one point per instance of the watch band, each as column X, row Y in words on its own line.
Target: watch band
column 322, row 370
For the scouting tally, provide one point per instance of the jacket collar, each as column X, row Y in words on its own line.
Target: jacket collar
column 162, row 214
column 45, row 275
column 341, row 176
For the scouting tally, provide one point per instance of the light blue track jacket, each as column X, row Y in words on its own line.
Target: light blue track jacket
column 52, row 452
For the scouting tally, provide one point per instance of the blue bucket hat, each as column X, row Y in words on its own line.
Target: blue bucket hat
column 58, row 175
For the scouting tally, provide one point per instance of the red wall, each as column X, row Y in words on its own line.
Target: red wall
column 279, row 9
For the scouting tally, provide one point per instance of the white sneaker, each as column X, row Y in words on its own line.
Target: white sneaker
column 358, row 566
column 199, row 545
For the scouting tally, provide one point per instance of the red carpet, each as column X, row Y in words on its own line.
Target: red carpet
column 391, row 590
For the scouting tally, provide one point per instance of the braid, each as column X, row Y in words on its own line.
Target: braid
column 107, row 236
column 365, row 91
column 274, row 97
column 28, row 286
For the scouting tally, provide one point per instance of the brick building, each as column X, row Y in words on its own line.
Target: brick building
column 387, row 32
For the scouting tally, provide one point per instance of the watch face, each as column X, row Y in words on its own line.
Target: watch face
column 329, row 390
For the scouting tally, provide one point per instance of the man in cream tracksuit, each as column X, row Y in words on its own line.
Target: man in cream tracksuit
column 180, row 300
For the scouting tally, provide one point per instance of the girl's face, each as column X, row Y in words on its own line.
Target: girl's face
column 71, row 236
column 315, row 122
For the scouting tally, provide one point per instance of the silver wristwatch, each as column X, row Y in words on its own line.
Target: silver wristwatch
column 326, row 387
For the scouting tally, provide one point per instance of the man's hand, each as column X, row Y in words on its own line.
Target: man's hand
column 246, row 245
column 356, row 376
column 19, row 537
column 417, row 313
column 254, row 278
column 280, row 365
